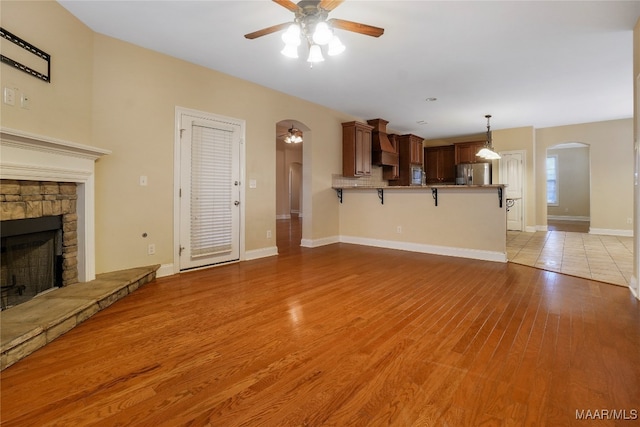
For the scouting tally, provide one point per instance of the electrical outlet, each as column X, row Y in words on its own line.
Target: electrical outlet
column 629, row 221
column 151, row 250
column 268, row 234
column 9, row 96
column 399, row 229
column 143, row 180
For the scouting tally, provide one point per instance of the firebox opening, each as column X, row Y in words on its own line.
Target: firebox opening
column 31, row 260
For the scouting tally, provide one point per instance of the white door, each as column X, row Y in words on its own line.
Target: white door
column 512, row 174
column 209, row 192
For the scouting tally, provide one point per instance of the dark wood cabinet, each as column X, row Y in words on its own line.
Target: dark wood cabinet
column 410, row 154
column 439, row 164
column 356, row 149
column 465, row 152
column 390, row 173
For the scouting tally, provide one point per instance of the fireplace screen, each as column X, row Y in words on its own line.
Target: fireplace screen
column 29, row 265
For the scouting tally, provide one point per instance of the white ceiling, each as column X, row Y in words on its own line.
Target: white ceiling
column 528, row 63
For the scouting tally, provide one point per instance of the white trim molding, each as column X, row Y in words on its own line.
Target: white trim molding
column 428, row 249
column 260, row 253
column 30, row 157
column 315, row 243
column 611, row 232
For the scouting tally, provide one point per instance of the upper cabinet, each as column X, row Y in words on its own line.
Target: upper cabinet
column 465, row 152
column 439, row 164
column 410, row 149
column 410, row 152
column 356, row 149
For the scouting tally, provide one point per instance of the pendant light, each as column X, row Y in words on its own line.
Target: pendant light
column 487, row 151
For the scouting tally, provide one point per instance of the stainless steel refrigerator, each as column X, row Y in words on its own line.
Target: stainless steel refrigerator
column 473, row 173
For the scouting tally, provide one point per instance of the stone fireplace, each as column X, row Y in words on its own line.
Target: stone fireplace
column 44, row 177
column 39, row 236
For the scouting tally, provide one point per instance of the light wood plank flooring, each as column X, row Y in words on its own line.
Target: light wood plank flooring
column 342, row 335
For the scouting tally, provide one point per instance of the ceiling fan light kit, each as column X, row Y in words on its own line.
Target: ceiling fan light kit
column 293, row 136
column 311, row 24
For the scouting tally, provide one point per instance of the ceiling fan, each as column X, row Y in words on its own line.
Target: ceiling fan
column 293, row 136
column 312, row 25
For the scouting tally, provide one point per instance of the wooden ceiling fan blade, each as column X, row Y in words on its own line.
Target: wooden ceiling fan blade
column 268, row 30
column 368, row 30
column 288, row 4
column 329, row 5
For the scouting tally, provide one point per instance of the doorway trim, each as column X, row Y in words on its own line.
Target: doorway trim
column 179, row 111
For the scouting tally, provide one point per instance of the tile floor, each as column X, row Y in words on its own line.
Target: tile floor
column 603, row 258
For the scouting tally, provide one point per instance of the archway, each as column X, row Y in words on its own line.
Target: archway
column 290, row 213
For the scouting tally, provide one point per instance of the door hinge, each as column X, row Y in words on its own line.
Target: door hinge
column 181, row 130
column 180, row 192
column 180, row 249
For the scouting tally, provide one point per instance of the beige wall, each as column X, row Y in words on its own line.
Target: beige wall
column 635, row 279
column 60, row 109
column 573, row 183
column 611, row 151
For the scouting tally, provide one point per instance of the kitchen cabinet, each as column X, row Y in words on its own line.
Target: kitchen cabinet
column 465, row 152
column 410, row 155
column 392, row 172
column 439, row 164
column 410, row 149
column 356, row 149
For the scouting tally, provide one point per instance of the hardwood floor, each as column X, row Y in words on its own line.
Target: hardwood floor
column 342, row 335
column 565, row 225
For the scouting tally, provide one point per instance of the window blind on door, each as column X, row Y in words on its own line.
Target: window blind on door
column 211, row 191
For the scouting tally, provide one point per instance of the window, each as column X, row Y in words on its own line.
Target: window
column 552, row 180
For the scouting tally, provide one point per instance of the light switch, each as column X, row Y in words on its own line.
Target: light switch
column 253, row 183
column 143, row 180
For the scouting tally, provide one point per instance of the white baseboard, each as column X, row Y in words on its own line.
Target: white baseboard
column 530, row 229
column 611, row 232
column 309, row 243
column 428, row 249
column 541, row 228
column 295, row 211
column 165, row 270
column 283, row 216
column 568, row 218
column 260, row 253
column 633, row 286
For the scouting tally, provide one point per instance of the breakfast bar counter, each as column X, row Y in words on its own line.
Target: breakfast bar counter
column 457, row 220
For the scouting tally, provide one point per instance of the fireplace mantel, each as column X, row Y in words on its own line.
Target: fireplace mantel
column 31, row 157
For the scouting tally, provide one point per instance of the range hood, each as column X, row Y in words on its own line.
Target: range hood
column 383, row 152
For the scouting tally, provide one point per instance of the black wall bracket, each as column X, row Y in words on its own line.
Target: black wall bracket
column 500, row 196
column 381, row 195
column 434, row 194
column 40, row 54
column 339, row 193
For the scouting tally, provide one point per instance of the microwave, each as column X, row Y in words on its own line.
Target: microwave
column 416, row 175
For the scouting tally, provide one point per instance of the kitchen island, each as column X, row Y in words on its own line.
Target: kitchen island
column 456, row 220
